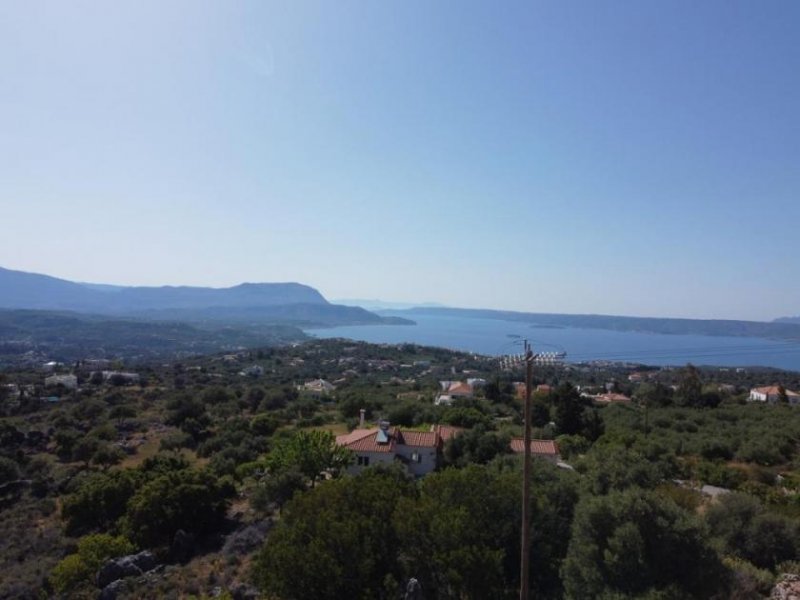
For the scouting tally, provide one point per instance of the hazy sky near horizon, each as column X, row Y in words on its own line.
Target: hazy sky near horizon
column 630, row 157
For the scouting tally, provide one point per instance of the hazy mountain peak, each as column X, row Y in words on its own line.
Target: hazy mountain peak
column 19, row 289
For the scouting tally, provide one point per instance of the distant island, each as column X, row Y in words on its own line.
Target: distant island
column 783, row 329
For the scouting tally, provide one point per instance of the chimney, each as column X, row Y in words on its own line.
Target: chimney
column 363, row 413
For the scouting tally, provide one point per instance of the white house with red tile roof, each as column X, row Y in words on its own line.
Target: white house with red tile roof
column 417, row 450
column 318, row 386
column 547, row 449
column 453, row 390
column 772, row 393
column 457, row 388
column 612, row 398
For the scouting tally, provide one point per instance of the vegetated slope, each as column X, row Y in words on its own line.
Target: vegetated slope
column 31, row 290
column 300, row 314
column 30, row 335
column 786, row 330
column 218, row 475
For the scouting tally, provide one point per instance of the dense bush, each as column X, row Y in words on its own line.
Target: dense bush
column 747, row 530
column 194, row 501
column 336, row 541
column 635, row 542
column 9, row 470
column 475, row 446
column 457, row 533
column 100, row 501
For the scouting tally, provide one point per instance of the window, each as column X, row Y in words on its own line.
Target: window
column 363, row 461
column 416, row 457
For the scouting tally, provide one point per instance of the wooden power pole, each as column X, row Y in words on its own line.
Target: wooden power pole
column 525, row 551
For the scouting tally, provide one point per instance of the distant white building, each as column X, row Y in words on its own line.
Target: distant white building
column 612, row 398
column 318, row 386
column 13, row 391
column 68, row 381
column 771, row 394
column 252, row 371
column 451, row 391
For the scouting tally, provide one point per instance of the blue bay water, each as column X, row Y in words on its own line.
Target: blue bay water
column 496, row 337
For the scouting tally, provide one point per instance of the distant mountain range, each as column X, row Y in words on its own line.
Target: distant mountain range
column 386, row 305
column 280, row 303
column 788, row 320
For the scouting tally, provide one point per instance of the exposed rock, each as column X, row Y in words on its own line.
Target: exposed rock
column 246, row 539
column 182, row 547
column 111, row 590
column 14, row 487
column 245, row 592
column 413, row 590
column 125, row 566
column 787, row 588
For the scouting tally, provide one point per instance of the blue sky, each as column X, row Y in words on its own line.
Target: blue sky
column 637, row 157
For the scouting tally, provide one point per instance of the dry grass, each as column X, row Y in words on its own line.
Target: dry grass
column 147, row 450
column 151, row 447
column 335, row 428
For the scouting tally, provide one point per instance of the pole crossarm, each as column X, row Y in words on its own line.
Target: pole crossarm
column 513, row 361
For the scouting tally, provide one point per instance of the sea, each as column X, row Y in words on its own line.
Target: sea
column 495, row 337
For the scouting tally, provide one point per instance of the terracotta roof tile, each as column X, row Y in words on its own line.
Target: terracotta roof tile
column 446, row 431
column 611, row 397
column 459, row 388
column 773, row 390
column 365, row 440
column 356, row 434
column 424, row 439
column 538, row 447
column 369, row 443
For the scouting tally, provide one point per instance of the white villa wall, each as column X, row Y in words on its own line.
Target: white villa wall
column 426, row 459
column 375, row 458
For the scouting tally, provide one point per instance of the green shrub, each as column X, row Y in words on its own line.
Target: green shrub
column 80, row 567
column 9, row 470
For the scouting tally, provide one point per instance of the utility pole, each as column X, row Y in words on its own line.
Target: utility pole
column 526, row 481
column 508, row 363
